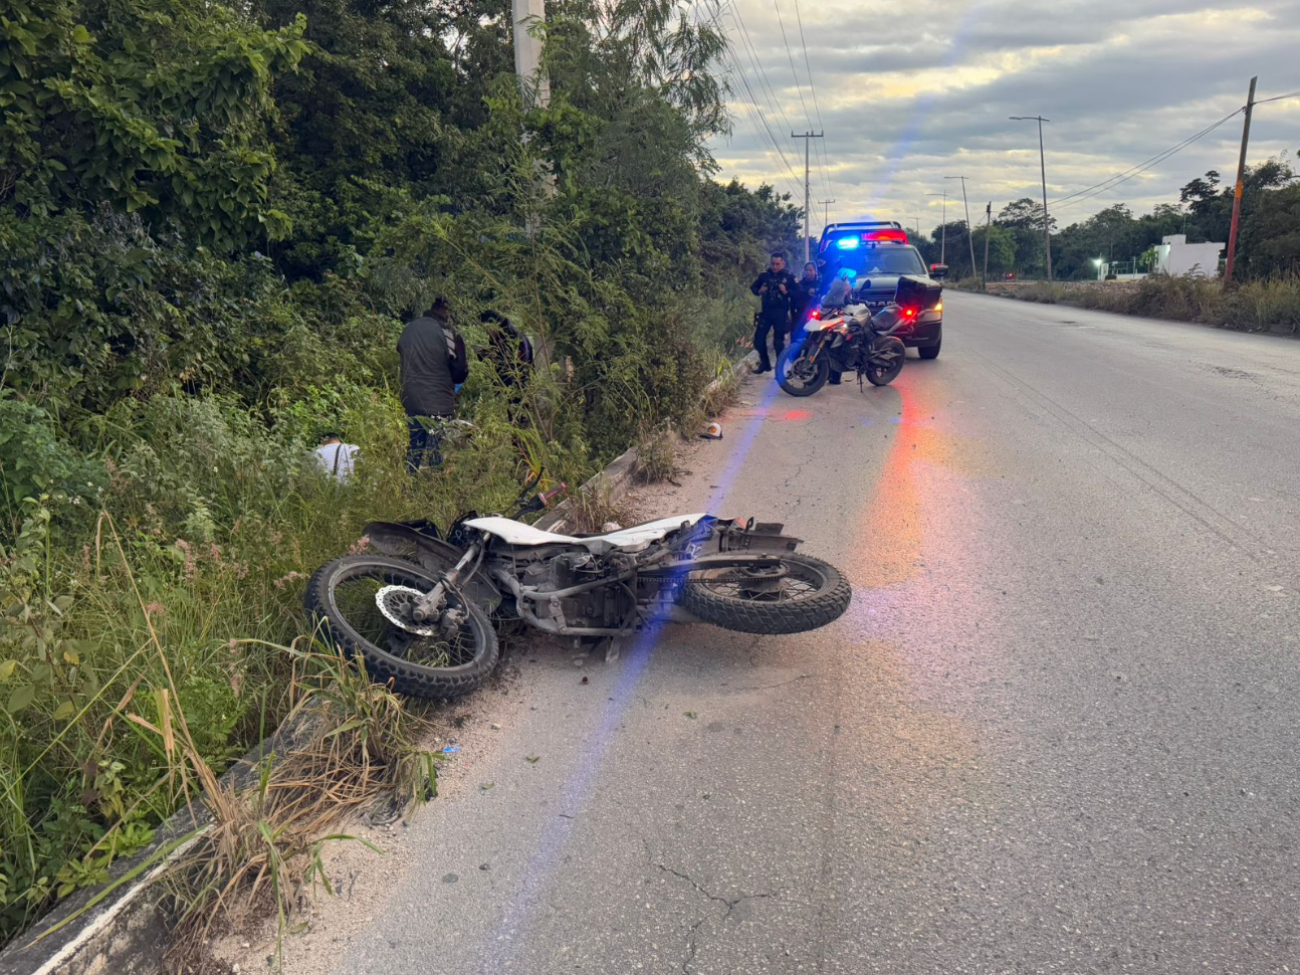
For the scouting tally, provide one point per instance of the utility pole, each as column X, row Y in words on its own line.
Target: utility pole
column 535, row 92
column 918, row 225
column 826, row 212
column 807, row 191
column 1236, row 194
column 988, row 232
column 533, row 83
column 970, row 237
column 1042, row 167
column 943, row 228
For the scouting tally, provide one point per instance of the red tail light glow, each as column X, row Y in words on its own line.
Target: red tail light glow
column 909, row 312
column 817, row 314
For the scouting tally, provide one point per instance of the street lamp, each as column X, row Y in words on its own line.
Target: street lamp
column 1042, row 166
column 1097, row 263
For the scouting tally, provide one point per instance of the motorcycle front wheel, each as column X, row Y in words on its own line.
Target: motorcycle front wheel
column 361, row 604
column 786, row 594
column 884, row 369
column 799, row 376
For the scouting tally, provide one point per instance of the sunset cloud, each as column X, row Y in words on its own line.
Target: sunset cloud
column 910, row 93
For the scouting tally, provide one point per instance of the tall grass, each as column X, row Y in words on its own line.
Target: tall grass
column 150, row 616
column 1252, row 306
column 220, row 518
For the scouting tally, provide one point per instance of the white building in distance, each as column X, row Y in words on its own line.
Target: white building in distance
column 1177, row 258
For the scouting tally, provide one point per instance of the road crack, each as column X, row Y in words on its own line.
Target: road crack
column 768, row 687
column 692, row 939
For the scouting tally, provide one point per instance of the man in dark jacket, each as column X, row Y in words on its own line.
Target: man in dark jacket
column 510, row 353
column 433, row 363
column 776, row 288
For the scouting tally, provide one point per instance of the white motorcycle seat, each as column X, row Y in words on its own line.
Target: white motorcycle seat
column 628, row 539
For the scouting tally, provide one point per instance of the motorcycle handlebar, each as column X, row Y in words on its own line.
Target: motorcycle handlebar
column 540, row 501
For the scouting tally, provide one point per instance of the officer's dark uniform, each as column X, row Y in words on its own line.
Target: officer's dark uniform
column 774, row 316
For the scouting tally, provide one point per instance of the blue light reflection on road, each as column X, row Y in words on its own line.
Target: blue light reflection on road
column 555, row 834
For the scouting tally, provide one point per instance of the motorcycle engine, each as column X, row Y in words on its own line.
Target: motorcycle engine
column 601, row 606
column 563, row 571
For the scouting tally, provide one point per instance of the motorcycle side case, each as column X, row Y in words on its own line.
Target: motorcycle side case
column 418, row 542
column 917, row 292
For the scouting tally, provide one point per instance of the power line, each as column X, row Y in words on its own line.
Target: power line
column 1110, row 183
column 794, row 74
column 764, row 82
column 1278, row 98
column 765, row 128
column 735, row 68
column 773, row 103
column 812, row 87
column 790, row 56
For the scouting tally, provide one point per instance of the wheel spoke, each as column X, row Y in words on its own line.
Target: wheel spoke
column 355, row 599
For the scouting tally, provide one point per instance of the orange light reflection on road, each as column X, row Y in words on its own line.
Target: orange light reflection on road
column 893, row 523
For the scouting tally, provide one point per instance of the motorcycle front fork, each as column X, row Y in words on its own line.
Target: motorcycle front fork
column 430, row 605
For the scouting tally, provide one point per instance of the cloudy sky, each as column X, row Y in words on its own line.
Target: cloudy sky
column 911, row 92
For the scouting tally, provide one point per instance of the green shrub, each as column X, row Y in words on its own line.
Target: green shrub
column 33, row 461
column 1259, row 305
column 1251, row 306
column 175, row 342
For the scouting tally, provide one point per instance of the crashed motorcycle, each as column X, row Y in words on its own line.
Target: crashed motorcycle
column 425, row 612
column 852, row 339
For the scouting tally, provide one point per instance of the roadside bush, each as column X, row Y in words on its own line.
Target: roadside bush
column 1251, row 306
column 1186, row 299
column 221, row 518
column 1258, row 305
column 1040, row 291
column 33, row 462
column 207, row 259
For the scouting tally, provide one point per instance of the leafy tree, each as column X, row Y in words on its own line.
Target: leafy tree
column 950, row 248
column 1002, row 249
column 152, row 106
column 373, row 109
column 1024, row 218
column 1025, row 214
column 1270, row 236
column 1199, row 194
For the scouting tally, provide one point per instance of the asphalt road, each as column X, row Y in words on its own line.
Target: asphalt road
column 1056, row 732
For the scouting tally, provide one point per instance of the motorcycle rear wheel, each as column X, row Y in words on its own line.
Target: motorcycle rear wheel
column 884, row 375
column 799, row 377
column 810, row 594
column 342, row 602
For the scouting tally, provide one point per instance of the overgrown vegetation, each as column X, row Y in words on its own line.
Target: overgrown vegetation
column 1251, row 307
column 213, row 220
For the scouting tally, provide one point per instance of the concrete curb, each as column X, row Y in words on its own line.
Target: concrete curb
column 622, row 470
column 126, row 933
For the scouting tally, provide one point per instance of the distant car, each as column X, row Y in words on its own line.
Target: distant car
column 876, row 254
